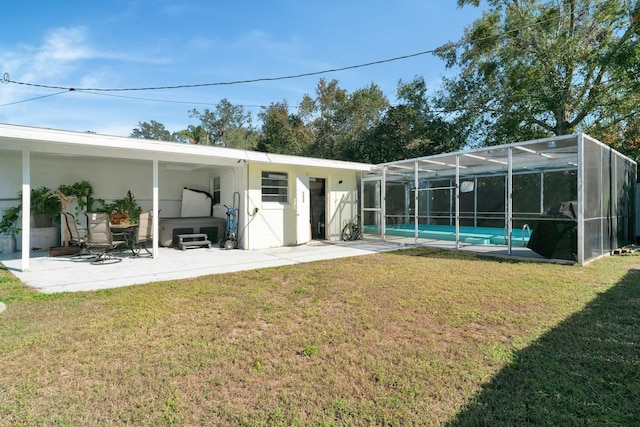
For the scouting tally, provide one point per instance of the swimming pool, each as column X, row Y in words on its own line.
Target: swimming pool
column 471, row 235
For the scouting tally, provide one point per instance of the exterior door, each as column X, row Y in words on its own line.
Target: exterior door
column 372, row 207
column 303, row 210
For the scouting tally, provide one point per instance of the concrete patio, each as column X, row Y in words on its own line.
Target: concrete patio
column 63, row 274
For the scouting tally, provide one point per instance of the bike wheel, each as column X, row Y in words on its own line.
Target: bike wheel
column 347, row 232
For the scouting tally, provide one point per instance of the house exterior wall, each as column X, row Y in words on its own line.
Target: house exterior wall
column 111, row 179
column 275, row 224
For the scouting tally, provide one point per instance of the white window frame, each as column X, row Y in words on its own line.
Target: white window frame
column 276, row 185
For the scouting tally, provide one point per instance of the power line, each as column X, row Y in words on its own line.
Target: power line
column 6, row 79
column 33, row 99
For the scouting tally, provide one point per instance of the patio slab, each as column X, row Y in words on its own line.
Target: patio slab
column 63, row 274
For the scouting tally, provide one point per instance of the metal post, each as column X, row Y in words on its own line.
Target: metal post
column 416, row 184
column 383, row 203
column 581, row 199
column 457, row 188
column 475, row 201
column 509, row 198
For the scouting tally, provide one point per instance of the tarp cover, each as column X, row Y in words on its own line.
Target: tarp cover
column 196, row 203
column 557, row 239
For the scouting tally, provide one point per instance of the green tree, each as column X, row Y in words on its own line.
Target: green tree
column 325, row 114
column 283, row 132
column 410, row 129
column 153, row 130
column 531, row 68
column 194, row 135
column 223, row 125
column 341, row 121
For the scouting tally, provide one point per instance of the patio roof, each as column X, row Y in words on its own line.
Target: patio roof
column 51, row 142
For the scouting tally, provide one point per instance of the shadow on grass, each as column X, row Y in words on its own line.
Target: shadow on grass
column 586, row 371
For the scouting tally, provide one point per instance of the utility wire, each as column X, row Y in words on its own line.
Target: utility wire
column 6, row 78
column 33, row 99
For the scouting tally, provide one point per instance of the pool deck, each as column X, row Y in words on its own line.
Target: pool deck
column 63, row 274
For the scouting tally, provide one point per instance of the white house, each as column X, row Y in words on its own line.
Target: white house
column 283, row 200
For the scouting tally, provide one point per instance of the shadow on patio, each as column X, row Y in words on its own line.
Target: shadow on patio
column 586, row 371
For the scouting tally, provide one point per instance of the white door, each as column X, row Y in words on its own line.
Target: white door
column 303, row 210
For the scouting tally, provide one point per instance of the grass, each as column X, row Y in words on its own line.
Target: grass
column 414, row 337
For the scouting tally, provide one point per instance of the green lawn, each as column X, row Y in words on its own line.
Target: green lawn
column 414, row 337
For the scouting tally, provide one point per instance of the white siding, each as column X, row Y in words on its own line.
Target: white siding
column 275, row 223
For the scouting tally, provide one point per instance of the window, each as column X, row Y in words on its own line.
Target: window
column 216, row 190
column 275, row 187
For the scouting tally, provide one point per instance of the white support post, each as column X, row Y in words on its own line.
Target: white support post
column 509, row 199
column 156, row 210
column 416, row 183
column 581, row 199
column 457, row 201
column 383, row 203
column 26, row 208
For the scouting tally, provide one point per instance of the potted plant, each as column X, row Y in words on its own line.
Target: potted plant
column 45, row 207
column 125, row 210
column 83, row 192
column 8, row 230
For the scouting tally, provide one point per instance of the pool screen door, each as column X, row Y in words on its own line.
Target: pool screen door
column 372, row 206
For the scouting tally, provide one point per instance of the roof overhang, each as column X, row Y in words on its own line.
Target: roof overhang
column 52, row 142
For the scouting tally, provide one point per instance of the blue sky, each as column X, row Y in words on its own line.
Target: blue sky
column 151, row 43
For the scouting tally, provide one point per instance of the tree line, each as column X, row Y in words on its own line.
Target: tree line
column 526, row 69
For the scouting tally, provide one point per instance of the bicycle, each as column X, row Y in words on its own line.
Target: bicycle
column 352, row 231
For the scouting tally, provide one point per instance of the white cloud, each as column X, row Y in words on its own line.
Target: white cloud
column 65, row 45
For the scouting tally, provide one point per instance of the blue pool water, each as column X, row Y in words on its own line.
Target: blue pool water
column 472, row 235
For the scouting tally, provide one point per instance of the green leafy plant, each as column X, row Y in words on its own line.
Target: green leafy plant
column 43, row 202
column 83, row 191
column 9, row 222
column 127, row 205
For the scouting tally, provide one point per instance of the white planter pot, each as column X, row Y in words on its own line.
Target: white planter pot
column 7, row 243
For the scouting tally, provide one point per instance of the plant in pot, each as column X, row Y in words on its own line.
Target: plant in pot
column 8, row 229
column 45, row 206
column 122, row 211
column 83, row 192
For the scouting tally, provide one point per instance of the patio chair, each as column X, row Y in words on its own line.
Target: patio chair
column 143, row 235
column 75, row 238
column 101, row 238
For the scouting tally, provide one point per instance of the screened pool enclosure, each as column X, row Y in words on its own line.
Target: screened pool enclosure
column 568, row 197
